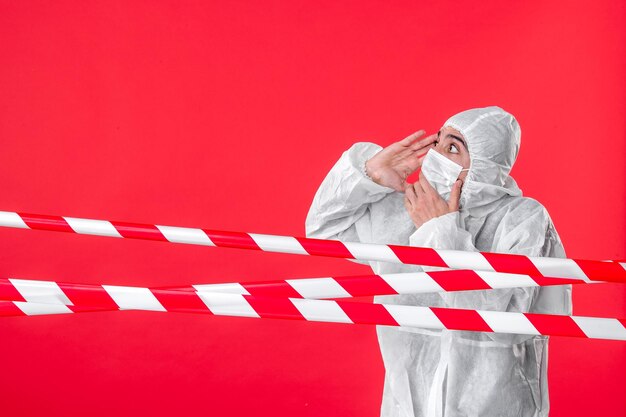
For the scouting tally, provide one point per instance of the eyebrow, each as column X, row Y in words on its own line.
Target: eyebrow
column 454, row 137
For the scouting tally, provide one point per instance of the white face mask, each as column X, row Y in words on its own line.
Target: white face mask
column 441, row 172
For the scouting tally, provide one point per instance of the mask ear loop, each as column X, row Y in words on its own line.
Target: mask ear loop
column 466, row 169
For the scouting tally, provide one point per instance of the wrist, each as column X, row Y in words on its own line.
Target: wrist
column 366, row 171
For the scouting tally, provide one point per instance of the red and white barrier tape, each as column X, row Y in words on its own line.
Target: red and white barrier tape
column 588, row 270
column 383, row 284
column 312, row 288
column 345, row 312
column 49, row 297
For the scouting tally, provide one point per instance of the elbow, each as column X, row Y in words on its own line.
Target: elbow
column 314, row 229
column 311, row 227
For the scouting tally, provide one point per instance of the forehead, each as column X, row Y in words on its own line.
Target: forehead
column 447, row 130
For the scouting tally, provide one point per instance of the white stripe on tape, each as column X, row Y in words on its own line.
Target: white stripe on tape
column 368, row 252
column 318, row 288
column 601, row 328
column 11, row 219
column 40, row 291
column 130, row 298
column 559, row 268
column 411, row 282
column 457, row 259
column 92, row 227
column 227, row 304
column 185, row 235
column 508, row 322
column 320, row 310
column 34, row 309
column 228, row 288
column 500, row 280
column 414, row 316
column 283, row 244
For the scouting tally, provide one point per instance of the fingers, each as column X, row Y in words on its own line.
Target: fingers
column 455, row 196
column 425, row 143
column 412, row 137
column 419, row 189
column 410, row 197
column 405, row 150
column 420, row 158
column 428, row 189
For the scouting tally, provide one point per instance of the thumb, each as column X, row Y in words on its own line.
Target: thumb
column 455, row 196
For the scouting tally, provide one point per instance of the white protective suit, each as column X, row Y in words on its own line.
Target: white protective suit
column 454, row 373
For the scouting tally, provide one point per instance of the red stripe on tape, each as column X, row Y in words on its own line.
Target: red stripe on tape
column 318, row 247
column 459, row 280
column 555, row 325
column 7, row 308
column 84, row 309
column 515, row 264
column 9, row 292
column 139, row 231
column 459, row 319
column 418, row 256
column 280, row 308
column 602, row 271
column 169, row 287
column 365, row 285
column 180, row 300
column 231, row 239
column 88, row 295
column 45, row 222
column 363, row 313
column 271, row 289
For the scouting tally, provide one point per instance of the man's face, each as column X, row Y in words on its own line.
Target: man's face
column 451, row 144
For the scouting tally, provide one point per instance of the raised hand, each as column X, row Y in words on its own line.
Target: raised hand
column 423, row 202
column 392, row 166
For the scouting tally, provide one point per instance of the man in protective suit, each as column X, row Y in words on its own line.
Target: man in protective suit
column 465, row 200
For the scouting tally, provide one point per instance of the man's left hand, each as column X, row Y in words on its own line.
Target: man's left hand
column 423, row 202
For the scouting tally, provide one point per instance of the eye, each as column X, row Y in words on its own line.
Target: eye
column 454, row 148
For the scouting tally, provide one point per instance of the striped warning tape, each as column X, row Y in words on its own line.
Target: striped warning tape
column 13, row 289
column 588, row 270
column 340, row 312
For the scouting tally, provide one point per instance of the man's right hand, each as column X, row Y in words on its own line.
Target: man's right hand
column 392, row 166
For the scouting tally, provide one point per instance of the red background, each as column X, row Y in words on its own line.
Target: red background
column 228, row 116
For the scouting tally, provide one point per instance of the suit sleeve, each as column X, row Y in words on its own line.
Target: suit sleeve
column 340, row 208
